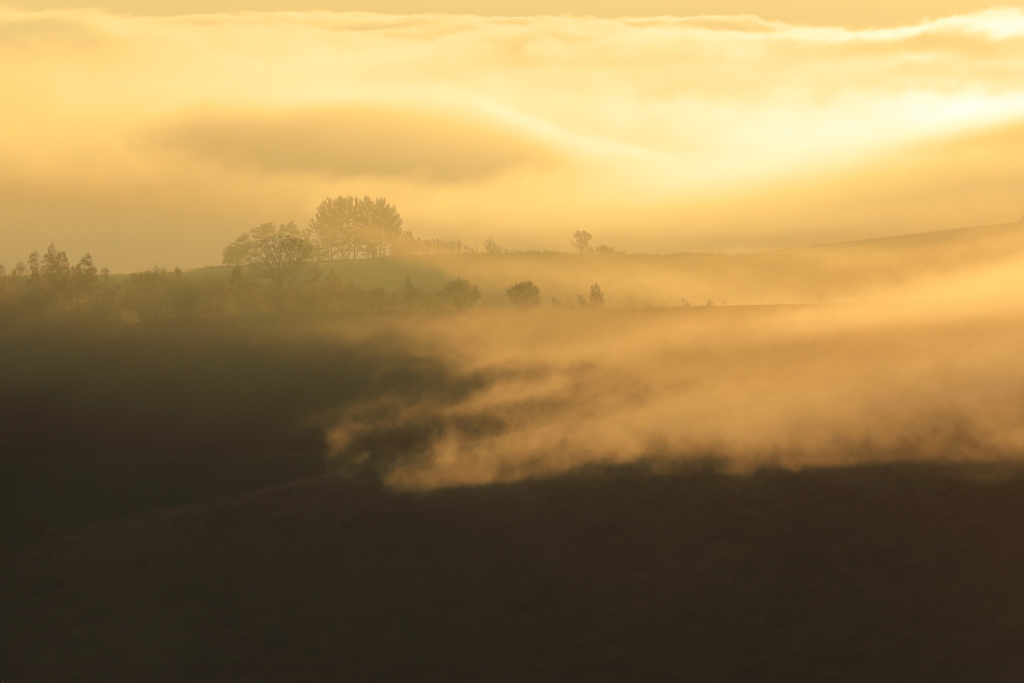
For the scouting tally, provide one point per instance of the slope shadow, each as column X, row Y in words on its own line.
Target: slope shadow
column 885, row 573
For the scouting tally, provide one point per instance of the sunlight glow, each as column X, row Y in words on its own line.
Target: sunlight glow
column 661, row 134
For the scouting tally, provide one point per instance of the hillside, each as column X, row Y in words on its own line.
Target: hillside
column 822, row 273
column 885, row 573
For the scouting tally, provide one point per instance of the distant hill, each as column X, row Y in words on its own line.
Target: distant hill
column 839, row 271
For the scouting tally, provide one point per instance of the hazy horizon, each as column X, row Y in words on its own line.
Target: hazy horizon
column 543, row 341
column 156, row 139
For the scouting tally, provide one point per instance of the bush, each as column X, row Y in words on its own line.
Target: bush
column 523, row 294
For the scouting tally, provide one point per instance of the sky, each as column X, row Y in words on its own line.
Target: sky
column 150, row 137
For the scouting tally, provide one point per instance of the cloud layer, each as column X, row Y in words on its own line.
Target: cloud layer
column 157, row 139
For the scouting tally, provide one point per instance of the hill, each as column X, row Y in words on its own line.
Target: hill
column 883, row 573
column 822, row 273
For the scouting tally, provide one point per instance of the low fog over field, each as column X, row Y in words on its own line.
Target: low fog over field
column 471, row 340
column 751, row 386
column 914, row 356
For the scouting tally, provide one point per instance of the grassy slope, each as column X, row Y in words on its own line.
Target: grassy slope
column 831, row 272
column 887, row 573
column 103, row 421
column 890, row 573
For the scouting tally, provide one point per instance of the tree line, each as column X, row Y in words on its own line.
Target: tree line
column 276, row 267
column 345, row 228
column 47, row 285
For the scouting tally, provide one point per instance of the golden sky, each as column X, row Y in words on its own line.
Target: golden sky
column 849, row 13
column 153, row 138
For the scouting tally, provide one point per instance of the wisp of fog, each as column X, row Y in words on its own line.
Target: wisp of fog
column 931, row 372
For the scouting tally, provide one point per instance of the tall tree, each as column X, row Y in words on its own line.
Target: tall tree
column 581, row 241
column 333, row 228
column 380, row 226
column 349, row 227
column 240, row 252
column 283, row 259
column 281, row 254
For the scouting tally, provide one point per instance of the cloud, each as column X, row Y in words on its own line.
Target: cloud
column 371, row 139
column 657, row 134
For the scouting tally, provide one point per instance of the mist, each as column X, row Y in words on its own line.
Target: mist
column 480, row 340
column 746, row 387
column 420, row 370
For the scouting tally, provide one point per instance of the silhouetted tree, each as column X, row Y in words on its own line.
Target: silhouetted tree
column 279, row 272
column 241, row 251
column 348, row 227
column 283, row 259
column 49, row 284
column 581, row 241
column 380, row 227
column 283, row 255
column 523, row 294
column 491, row 247
column 595, row 298
column 333, row 228
column 458, row 294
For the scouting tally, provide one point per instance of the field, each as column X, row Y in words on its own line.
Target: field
column 845, row 574
column 848, row 271
column 794, row 491
column 493, row 341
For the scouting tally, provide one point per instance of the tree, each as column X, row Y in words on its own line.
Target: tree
column 379, row 226
column 459, row 294
column 491, row 247
column 240, row 252
column 348, row 227
column 523, row 294
column 281, row 254
column 55, row 269
column 581, row 241
column 283, row 259
column 84, row 274
column 596, row 298
column 333, row 228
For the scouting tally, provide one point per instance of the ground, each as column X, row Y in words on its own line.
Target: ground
column 883, row 573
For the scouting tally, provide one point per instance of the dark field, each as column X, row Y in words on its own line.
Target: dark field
column 169, row 511
column 887, row 573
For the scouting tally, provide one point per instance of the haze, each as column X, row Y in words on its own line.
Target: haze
column 152, row 139
column 509, row 340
